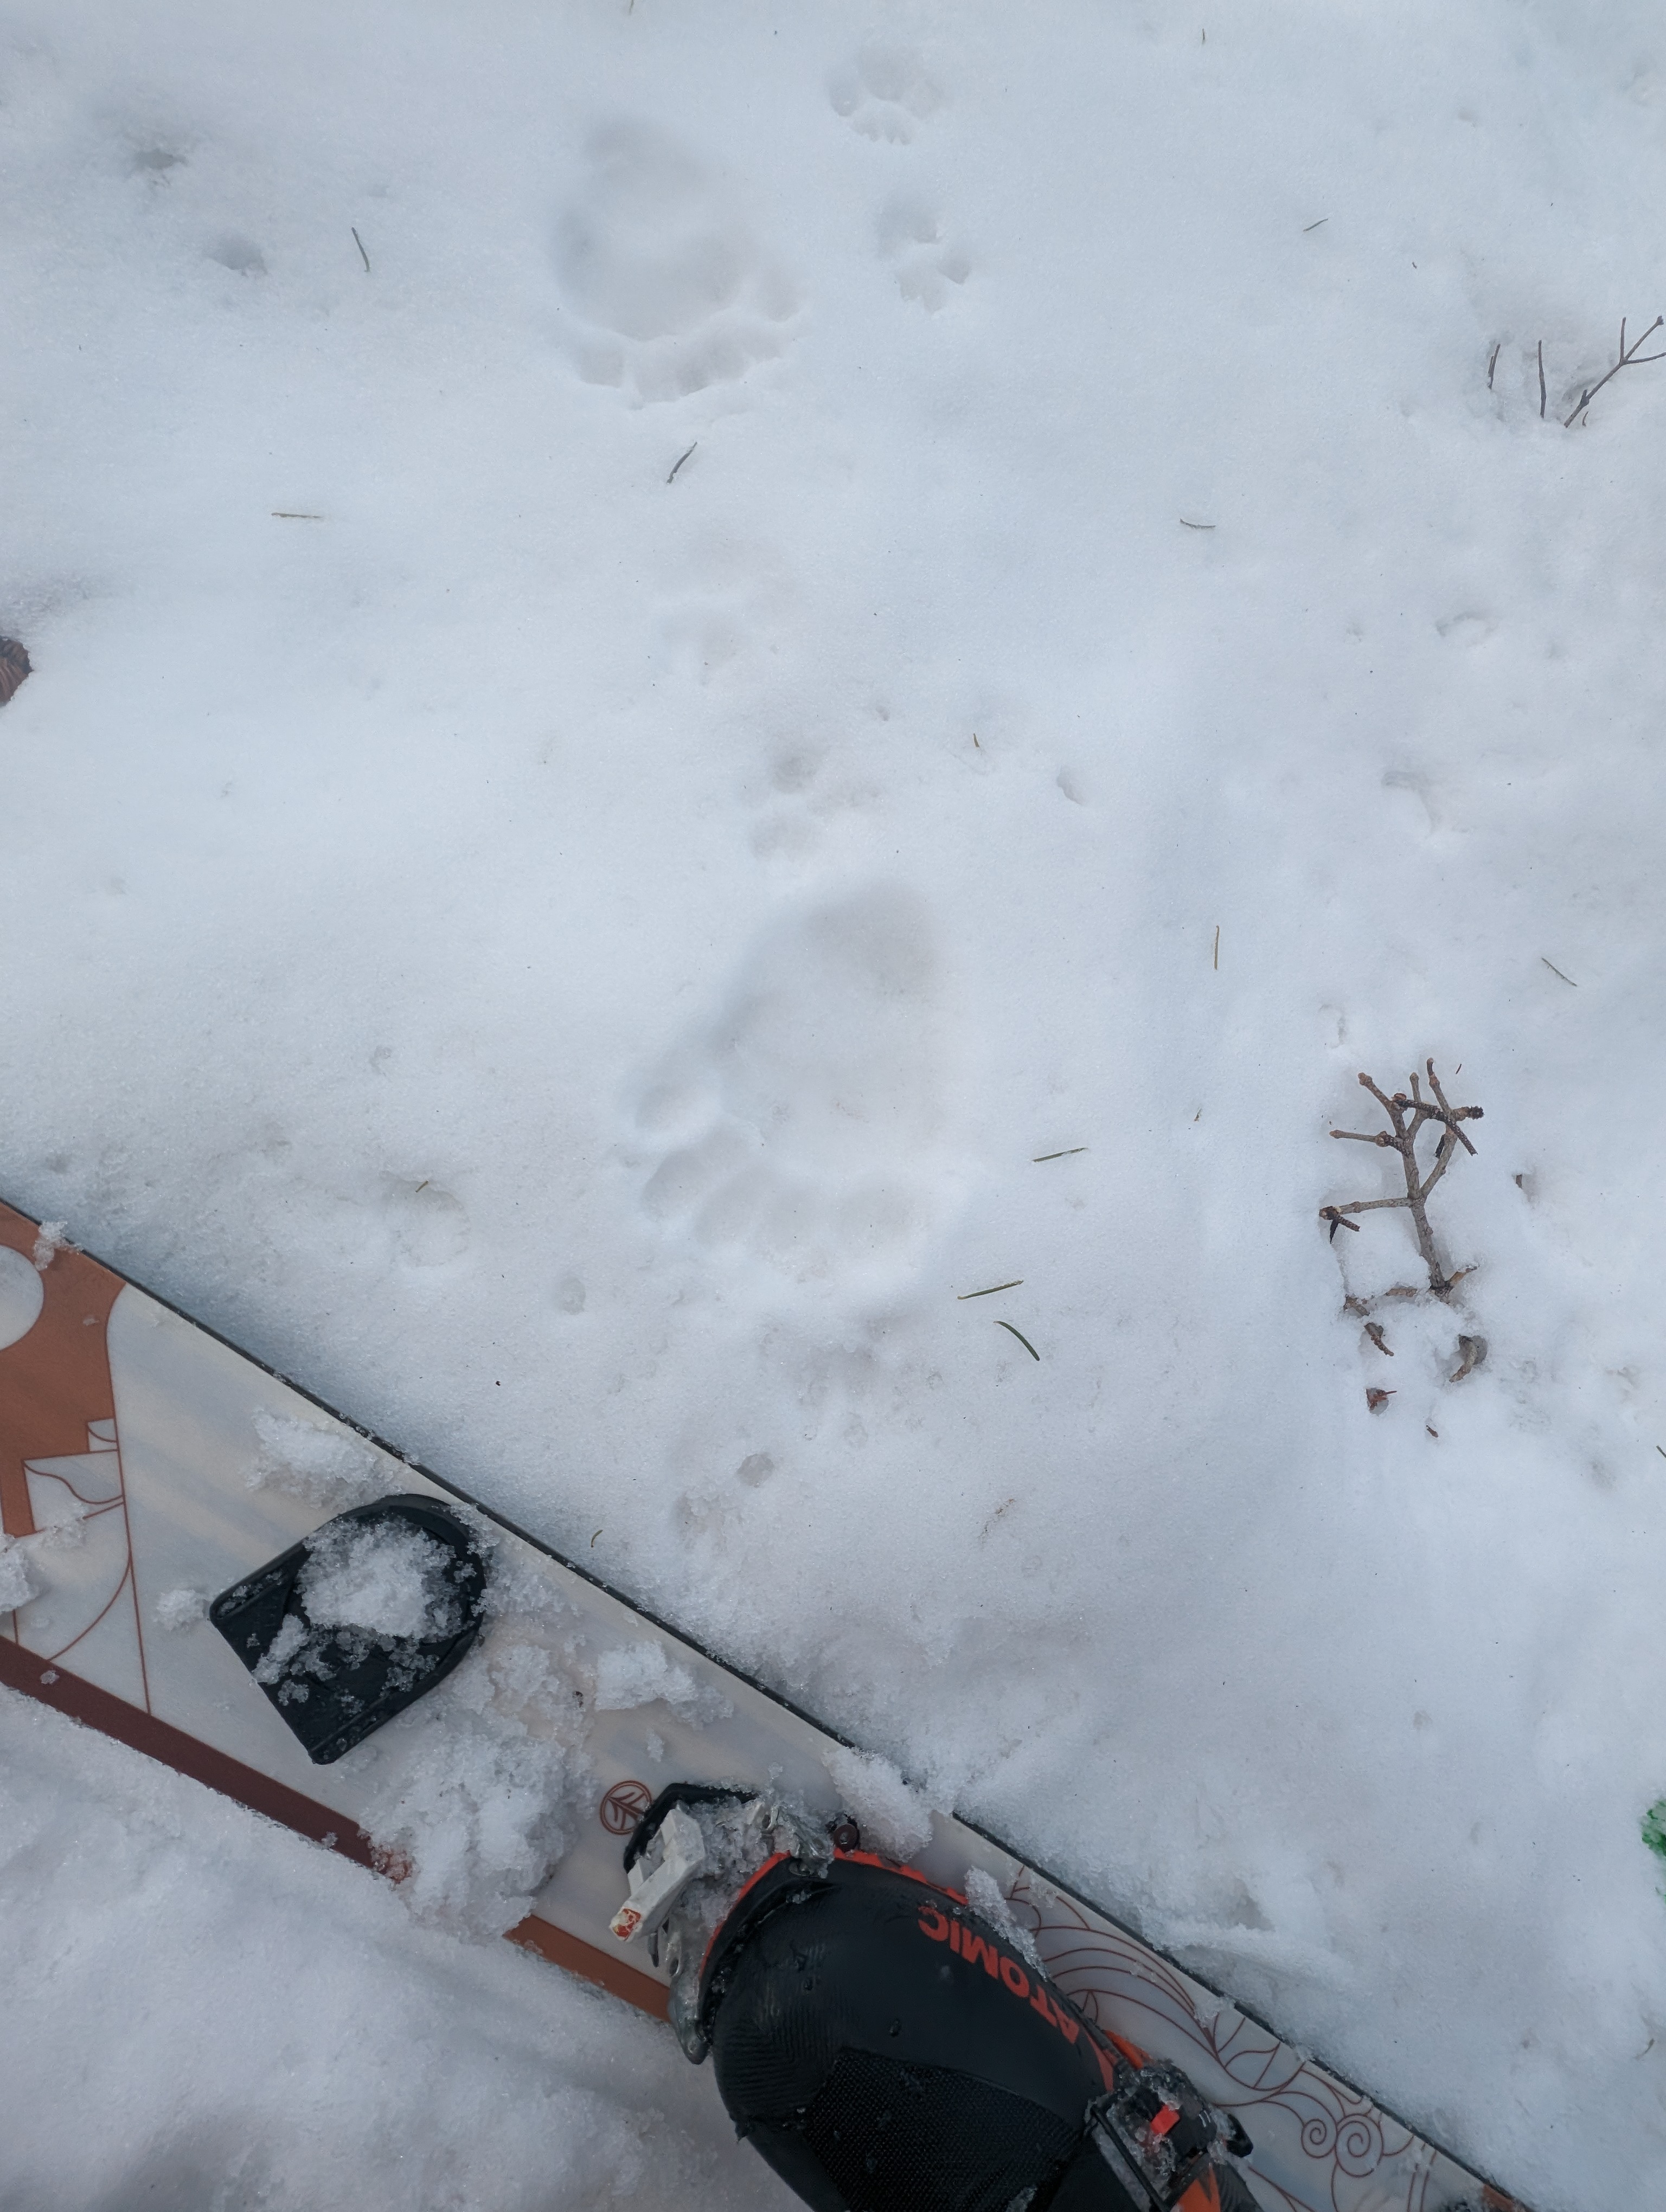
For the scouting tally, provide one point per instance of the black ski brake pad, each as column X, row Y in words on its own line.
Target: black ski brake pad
column 359, row 1620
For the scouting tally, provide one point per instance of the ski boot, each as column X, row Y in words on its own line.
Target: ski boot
column 887, row 2050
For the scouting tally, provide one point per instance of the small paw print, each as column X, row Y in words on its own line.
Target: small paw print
column 884, row 92
column 926, row 264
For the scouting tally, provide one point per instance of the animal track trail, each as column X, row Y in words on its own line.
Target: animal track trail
column 670, row 289
column 886, row 92
column 926, row 263
column 803, row 1126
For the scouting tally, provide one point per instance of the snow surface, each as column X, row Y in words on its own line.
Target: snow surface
column 595, row 795
column 205, row 2013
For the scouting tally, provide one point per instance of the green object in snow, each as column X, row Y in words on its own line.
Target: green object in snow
column 1654, row 1827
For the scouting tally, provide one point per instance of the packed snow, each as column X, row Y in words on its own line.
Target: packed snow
column 384, row 1578
column 643, row 1674
column 330, row 1470
column 706, row 677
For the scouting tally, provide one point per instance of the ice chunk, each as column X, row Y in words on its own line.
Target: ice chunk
column 474, row 1801
column 383, row 1577
column 178, row 1609
column 983, row 1895
column 283, row 1647
column 639, row 1673
column 893, row 1817
column 51, row 1239
column 17, row 1584
column 327, row 1468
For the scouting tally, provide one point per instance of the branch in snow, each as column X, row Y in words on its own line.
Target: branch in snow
column 1632, row 359
column 1406, row 1116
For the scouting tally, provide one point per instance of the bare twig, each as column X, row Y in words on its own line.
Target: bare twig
column 1555, row 970
column 679, row 462
column 1406, row 1116
column 1374, row 1331
column 1541, row 380
column 1016, row 1284
column 363, row 255
column 1069, row 1152
column 1491, row 363
column 1217, row 948
column 1306, row 226
column 1195, row 526
column 1633, row 359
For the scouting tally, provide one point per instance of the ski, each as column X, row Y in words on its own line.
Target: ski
column 191, row 1548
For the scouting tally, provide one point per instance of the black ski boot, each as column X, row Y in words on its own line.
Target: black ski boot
column 886, row 2049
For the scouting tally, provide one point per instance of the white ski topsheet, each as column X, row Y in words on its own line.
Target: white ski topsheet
column 161, row 1502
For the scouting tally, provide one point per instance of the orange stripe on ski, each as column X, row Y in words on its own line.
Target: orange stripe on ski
column 55, row 1379
column 111, row 1716
column 592, row 1964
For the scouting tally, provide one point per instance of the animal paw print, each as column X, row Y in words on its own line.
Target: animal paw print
column 886, row 93
column 801, row 807
column 800, row 1126
column 927, row 264
column 669, row 290
column 427, row 1226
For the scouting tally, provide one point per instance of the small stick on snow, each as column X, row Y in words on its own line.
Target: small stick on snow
column 1374, row 1331
column 1217, row 948
column 1555, row 970
column 1406, row 1116
column 1491, row 363
column 1195, row 526
column 363, row 255
column 1306, row 226
column 679, row 462
column 1541, row 380
column 1069, row 1152
column 1633, row 359
column 990, row 1293
column 282, row 514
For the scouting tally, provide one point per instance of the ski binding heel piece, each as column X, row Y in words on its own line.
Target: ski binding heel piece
column 359, row 1620
column 654, row 1890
